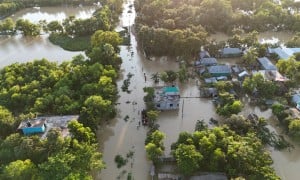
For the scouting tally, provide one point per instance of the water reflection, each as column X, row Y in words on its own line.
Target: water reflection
column 264, row 37
column 54, row 13
column 22, row 49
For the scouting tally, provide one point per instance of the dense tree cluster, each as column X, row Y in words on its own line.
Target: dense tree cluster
column 260, row 87
column 52, row 158
column 179, row 27
column 155, row 147
column 84, row 86
column 227, row 102
column 287, row 119
column 290, row 68
column 222, row 150
column 47, row 88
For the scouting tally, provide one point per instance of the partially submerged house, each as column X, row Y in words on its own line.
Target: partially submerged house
column 283, row 52
column 266, row 64
column 219, row 70
column 208, row 61
column 34, row 126
column 210, row 80
column 167, row 98
column 208, row 92
column 230, row 52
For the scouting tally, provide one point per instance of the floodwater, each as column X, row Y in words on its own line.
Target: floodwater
column 54, row 13
column 23, row 49
column 264, row 37
column 121, row 136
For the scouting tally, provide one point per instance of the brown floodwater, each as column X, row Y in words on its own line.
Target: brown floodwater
column 23, row 49
column 264, row 37
column 122, row 136
column 54, row 13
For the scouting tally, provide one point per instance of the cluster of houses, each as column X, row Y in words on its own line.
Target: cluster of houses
column 217, row 72
column 213, row 71
column 168, row 98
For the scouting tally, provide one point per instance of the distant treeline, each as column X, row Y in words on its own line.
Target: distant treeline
column 180, row 27
column 8, row 7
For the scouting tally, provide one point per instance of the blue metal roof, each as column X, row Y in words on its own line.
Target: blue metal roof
column 284, row 53
column 231, row 51
column 219, row 69
column 296, row 98
column 208, row 61
column 266, row 64
column 171, row 89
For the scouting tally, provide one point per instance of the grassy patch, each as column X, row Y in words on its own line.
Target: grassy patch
column 69, row 43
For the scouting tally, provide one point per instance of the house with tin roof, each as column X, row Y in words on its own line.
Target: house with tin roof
column 266, row 64
column 34, row 126
column 219, row 70
column 167, row 98
column 230, row 52
column 42, row 125
column 208, row 61
column 283, row 52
